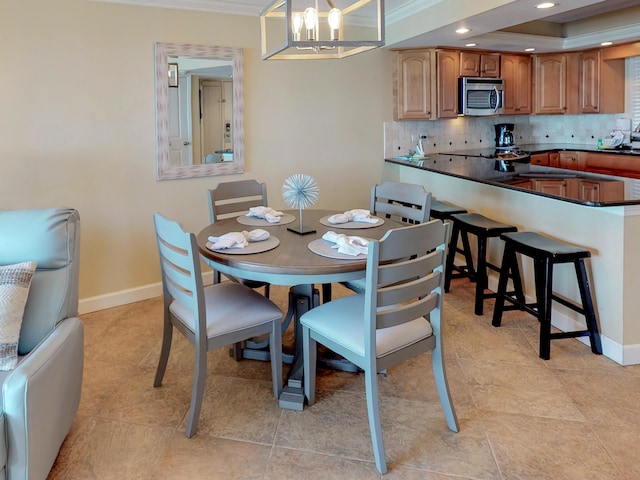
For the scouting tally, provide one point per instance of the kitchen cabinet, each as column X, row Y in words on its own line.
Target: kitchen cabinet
column 541, row 159
column 589, row 82
column 578, row 82
column 579, row 188
column 517, row 76
column 474, row 64
column 570, row 160
column 448, row 68
column 600, row 190
column 554, row 159
column 550, row 85
column 551, row 186
column 413, row 93
column 611, row 164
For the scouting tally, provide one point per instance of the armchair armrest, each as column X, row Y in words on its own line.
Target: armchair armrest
column 40, row 400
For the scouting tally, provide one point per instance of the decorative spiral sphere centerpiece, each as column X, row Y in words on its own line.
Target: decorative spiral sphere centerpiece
column 300, row 191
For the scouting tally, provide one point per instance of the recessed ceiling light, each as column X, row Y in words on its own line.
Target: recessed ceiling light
column 606, row 44
column 529, row 49
column 471, row 44
column 462, row 30
column 546, row 5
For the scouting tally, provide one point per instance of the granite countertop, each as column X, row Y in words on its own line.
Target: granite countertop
column 470, row 165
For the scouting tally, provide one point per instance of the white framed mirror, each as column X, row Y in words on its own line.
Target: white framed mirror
column 199, row 110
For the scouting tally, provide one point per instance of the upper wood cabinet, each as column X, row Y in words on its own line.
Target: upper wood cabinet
column 473, row 64
column 516, row 73
column 578, row 82
column 550, row 83
column 413, row 93
column 448, row 67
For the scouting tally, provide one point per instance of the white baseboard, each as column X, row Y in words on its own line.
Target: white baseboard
column 123, row 297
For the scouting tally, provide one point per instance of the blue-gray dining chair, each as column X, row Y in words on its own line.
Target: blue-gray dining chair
column 397, row 317
column 209, row 317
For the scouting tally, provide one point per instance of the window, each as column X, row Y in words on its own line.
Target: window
column 633, row 78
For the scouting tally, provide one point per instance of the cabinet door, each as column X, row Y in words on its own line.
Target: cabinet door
column 490, row 65
column 552, row 187
column 554, row 159
column 516, row 73
column 569, row 160
column 474, row 64
column 550, row 85
column 540, row 159
column 469, row 64
column 591, row 190
column 448, row 66
column 413, row 83
column 589, row 82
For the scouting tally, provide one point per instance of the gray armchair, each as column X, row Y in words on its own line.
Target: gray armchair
column 40, row 397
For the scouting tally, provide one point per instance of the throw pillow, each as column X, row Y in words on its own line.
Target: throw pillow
column 15, row 281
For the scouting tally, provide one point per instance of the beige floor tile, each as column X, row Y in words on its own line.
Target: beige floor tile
column 239, row 409
column 604, row 398
column 528, row 447
column 519, row 389
column 621, row 441
column 302, row 465
column 98, row 449
column 208, row 457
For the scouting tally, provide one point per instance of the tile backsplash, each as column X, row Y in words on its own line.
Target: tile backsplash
column 464, row 133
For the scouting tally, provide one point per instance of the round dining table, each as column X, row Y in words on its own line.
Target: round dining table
column 291, row 263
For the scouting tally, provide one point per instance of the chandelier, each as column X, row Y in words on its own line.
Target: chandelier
column 300, row 29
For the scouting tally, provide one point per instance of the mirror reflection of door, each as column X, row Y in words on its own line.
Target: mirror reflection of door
column 201, row 112
column 216, row 111
column 180, row 145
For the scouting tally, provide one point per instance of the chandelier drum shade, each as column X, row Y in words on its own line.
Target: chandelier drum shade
column 318, row 29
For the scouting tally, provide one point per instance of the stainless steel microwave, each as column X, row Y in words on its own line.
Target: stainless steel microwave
column 480, row 96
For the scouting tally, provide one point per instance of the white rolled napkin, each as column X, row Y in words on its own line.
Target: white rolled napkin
column 237, row 239
column 355, row 215
column 269, row 214
column 347, row 244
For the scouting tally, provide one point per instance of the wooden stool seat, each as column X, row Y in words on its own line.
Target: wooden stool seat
column 443, row 211
column 483, row 228
column 546, row 253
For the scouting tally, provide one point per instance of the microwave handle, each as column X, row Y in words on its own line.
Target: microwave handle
column 498, row 99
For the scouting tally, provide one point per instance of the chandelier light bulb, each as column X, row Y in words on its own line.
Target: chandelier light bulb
column 310, row 21
column 296, row 25
column 334, row 23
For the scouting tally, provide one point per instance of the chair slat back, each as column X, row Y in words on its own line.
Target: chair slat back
column 405, row 276
column 401, row 201
column 232, row 199
column 179, row 263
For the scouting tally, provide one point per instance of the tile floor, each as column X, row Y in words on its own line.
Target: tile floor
column 576, row 416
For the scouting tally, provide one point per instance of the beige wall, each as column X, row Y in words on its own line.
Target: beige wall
column 77, row 124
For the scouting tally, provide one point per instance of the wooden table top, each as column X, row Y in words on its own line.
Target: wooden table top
column 291, row 262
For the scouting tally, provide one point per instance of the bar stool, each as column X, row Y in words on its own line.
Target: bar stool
column 546, row 253
column 443, row 211
column 483, row 228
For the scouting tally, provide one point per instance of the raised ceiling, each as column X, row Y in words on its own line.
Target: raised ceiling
column 506, row 25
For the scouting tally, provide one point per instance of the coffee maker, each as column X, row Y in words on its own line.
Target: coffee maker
column 504, row 135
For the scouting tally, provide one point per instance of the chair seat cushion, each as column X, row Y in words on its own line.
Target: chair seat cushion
column 224, row 302
column 342, row 321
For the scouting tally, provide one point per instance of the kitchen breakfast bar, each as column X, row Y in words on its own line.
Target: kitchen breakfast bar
column 608, row 225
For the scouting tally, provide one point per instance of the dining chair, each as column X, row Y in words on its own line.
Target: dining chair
column 209, row 317
column 397, row 317
column 232, row 199
column 406, row 202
